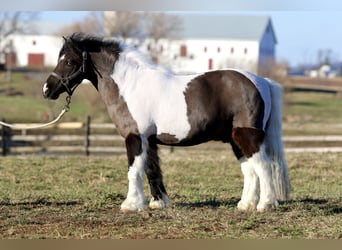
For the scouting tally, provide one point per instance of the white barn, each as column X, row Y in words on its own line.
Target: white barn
column 219, row 41
column 34, row 51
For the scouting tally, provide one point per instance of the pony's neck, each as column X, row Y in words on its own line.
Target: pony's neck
column 132, row 65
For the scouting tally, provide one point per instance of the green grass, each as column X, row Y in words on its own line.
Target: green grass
column 312, row 113
column 28, row 105
column 79, row 197
column 303, row 112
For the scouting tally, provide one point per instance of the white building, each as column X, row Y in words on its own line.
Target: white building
column 34, row 51
column 207, row 42
column 211, row 41
column 219, row 41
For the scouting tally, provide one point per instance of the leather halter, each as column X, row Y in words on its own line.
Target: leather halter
column 65, row 80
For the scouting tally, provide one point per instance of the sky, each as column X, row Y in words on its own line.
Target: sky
column 300, row 34
column 302, row 27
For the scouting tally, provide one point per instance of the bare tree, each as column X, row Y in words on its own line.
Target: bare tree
column 161, row 26
column 124, row 25
column 91, row 23
column 13, row 22
column 16, row 22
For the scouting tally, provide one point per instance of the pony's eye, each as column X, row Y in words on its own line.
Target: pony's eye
column 69, row 63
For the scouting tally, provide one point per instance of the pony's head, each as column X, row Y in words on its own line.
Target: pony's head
column 74, row 65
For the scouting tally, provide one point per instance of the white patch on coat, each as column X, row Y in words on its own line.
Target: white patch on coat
column 45, row 88
column 250, row 193
column 262, row 86
column 261, row 166
column 61, row 58
column 135, row 200
column 159, row 204
column 154, row 96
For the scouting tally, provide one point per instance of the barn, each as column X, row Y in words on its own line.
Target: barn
column 206, row 42
column 32, row 51
column 213, row 42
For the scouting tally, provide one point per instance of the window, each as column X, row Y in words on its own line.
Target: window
column 183, row 51
column 210, row 64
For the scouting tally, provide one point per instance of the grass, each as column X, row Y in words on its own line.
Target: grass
column 312, row 113
column 22, row 100
column 79, row 197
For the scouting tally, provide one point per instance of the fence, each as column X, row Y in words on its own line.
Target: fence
column 87, row 138
column 66, row 137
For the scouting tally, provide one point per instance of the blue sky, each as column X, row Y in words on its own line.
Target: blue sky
column 300, row 34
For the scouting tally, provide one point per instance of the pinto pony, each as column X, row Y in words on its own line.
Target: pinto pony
column 150, row 105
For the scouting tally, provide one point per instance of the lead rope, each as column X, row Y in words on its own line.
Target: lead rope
column 65, row 109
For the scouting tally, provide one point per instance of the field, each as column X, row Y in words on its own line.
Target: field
column 79, row 197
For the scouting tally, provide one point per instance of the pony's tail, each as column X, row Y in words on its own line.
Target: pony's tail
column 274, row 143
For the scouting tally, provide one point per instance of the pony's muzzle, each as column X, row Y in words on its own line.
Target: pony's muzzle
column 45, row 90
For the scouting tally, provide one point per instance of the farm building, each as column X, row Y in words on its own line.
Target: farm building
column 33, row 51
column 206, row 42
column 210, row 42
column 217, row 42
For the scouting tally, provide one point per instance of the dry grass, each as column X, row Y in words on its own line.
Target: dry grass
column 79, row 197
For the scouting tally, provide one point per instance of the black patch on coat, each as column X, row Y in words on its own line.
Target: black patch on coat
column 133, row 147
column 154, row 173
column 248, row 140
column 219, row 101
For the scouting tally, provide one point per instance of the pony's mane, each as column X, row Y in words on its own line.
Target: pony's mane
column 114, row 50
column 79, row 41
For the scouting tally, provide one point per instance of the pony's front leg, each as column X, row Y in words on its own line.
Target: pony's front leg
column 159, row 198
column 137, row 154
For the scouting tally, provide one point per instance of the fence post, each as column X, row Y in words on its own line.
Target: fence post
column 87, row 134
column 3, row 145
column 5, row 136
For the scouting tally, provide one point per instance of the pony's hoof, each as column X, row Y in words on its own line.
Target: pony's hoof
column 246, row 206
column 159, row 204
column 129, row 207
column 263, row 207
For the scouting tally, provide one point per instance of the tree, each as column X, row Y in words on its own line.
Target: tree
column 91, row 23
column 16, row 22
column 124, row 25
column 161, row 26
column 13, row 22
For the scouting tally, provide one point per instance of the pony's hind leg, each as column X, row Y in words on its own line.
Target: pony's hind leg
column 250, row 193
column 136, row 153
column 262, row 167
column 155, row 178
column 256, row 170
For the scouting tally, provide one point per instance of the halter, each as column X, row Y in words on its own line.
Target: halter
column 65, row 80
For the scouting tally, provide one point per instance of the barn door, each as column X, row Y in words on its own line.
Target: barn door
column 36, row 59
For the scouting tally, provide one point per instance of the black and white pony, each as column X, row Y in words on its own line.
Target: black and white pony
column 149, row 106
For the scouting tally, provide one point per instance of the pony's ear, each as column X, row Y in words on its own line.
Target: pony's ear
column 67, row 39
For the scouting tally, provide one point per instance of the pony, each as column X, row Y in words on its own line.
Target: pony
column 151, row 106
